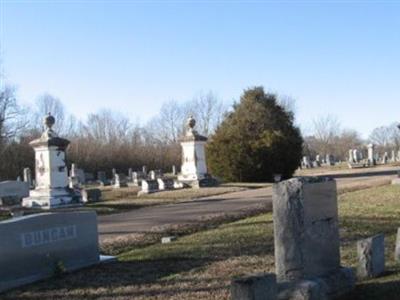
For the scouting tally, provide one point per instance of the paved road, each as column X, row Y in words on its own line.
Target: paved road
column 149, row 218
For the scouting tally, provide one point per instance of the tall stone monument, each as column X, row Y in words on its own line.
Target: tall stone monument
column 194, row 167
column 52, row 188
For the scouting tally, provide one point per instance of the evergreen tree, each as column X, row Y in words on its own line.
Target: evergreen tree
column 255, row 141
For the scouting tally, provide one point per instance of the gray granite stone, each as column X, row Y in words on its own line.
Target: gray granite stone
column 306, row 228
column 254, row 287
column 330, row 286
column 36, row 246
column 10, row 188
column 371, row 256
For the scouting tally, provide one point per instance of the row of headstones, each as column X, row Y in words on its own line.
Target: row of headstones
column 356, row 156
column 308, row 163
column 78, row 176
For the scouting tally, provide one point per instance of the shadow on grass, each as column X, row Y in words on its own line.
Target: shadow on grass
column 114, row 278
column 389, row 290
column 363, row 227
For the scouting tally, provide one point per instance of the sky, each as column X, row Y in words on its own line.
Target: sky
column 339, row 58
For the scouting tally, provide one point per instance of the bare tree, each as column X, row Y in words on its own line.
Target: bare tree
column 45, row 104
column 208, row 111
column 11, row 115
column 326, row 129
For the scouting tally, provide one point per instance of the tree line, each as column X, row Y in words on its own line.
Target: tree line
column 105, row 139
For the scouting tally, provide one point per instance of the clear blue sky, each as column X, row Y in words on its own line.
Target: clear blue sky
column 338, row 57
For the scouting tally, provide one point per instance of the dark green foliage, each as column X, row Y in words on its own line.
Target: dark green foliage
column 255, row 141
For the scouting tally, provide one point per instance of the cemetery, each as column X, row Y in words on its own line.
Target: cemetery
column 314, row 244
column 214, row 150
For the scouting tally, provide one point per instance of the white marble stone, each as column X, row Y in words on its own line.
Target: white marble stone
column 194, row 165
column 52, row 183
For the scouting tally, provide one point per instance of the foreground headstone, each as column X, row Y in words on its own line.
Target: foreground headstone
column 254, row 287
column 307, row 246
column 52, row 185
column 371, row 256
column 38, row 246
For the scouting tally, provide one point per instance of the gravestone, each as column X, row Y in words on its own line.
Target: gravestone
column 144, row 170
column 371, row 256
column 306, row 162
column 120, row 181
column 351, row 158
column 254, row 287
column 130, row 176
column 91, row 195
column 165, row 184
column 28, row 177
column 149, row 186
column 194, row 166
column 174, row 170
column 330, row 160
column 385, row 158
column 371, row 155
column 307, row 246
column 102, row 178
column 152, row 175
column 52, row 186
column 36, row 246
column 113, row 173
column 12, row 192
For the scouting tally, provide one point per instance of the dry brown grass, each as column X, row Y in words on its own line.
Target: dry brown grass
column 200, row 265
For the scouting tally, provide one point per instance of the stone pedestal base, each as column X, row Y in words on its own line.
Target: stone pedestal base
column 205, row 181
column 329, row 286
column 48, row 199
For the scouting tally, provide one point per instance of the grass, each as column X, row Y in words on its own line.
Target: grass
column 200, row 265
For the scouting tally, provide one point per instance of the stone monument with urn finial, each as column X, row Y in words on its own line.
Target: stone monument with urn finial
column 51, row 173
column 194, row 166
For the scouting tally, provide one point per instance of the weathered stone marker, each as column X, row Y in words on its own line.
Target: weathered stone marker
column 254, row 287
column 35, row 246
column 371, row 256
column 307, row 247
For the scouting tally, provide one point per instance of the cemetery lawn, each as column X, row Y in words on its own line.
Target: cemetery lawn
column 200, row 265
